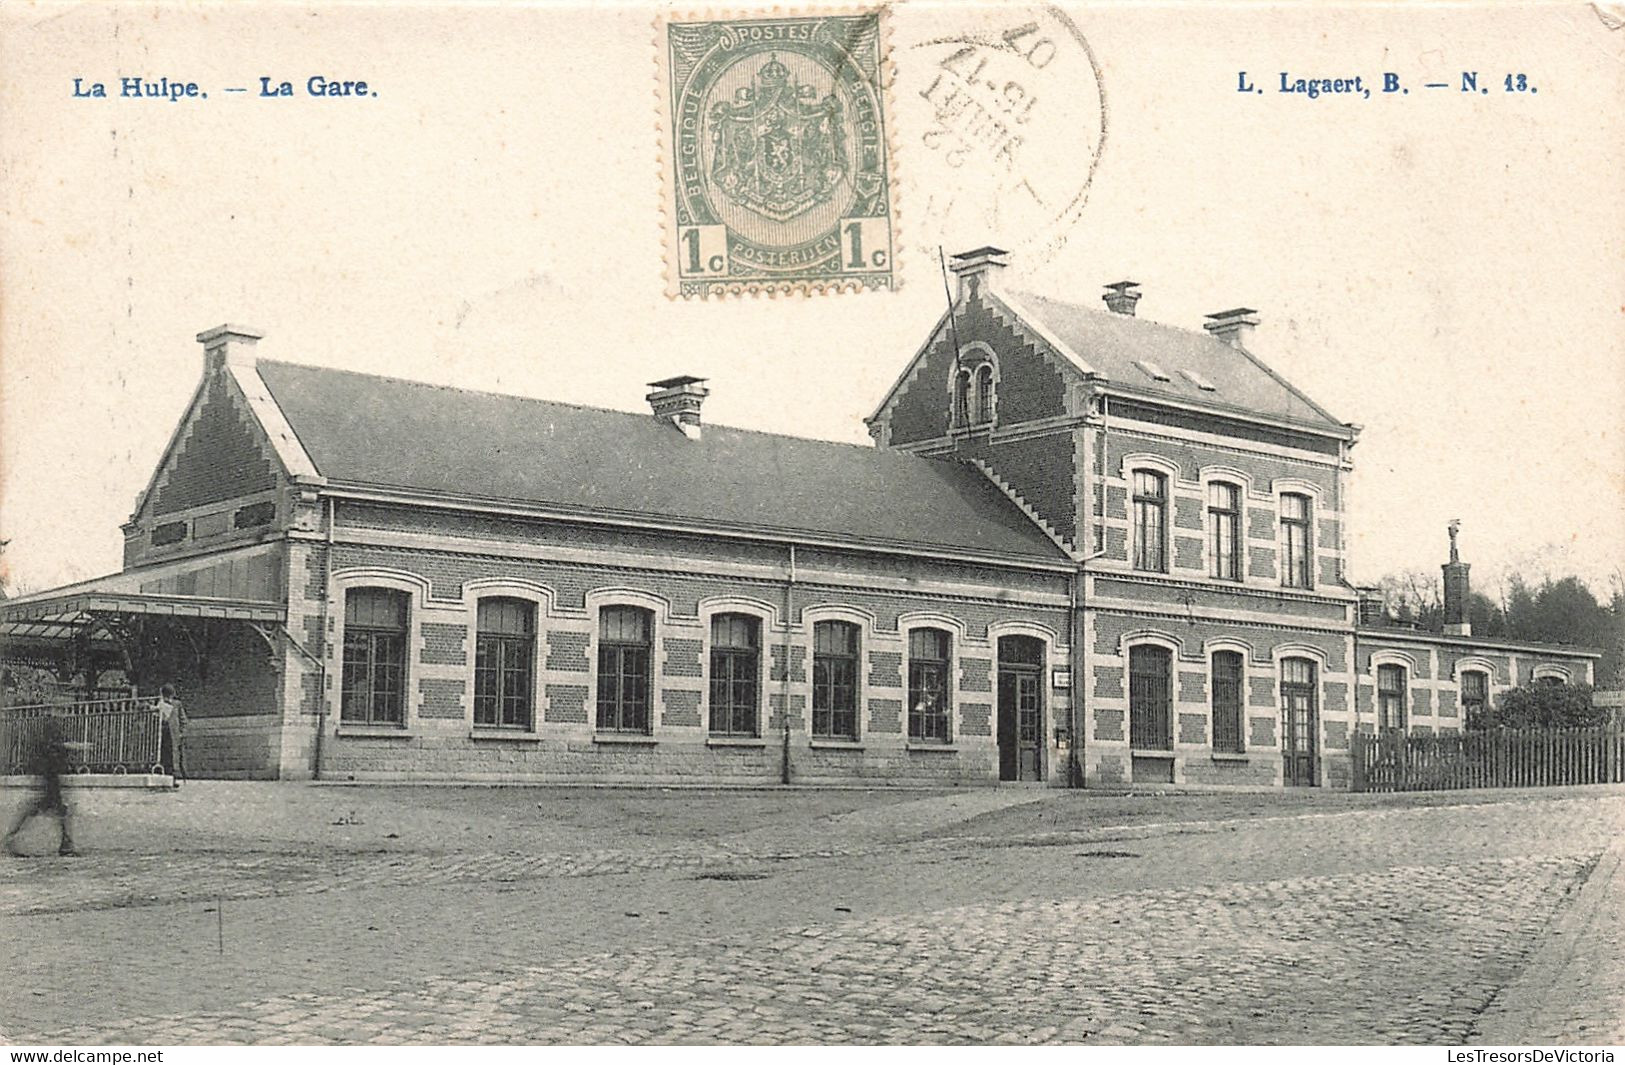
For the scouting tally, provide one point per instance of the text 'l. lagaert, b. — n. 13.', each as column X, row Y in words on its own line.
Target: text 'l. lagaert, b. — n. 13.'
column 174, row 90
column 1387, row 84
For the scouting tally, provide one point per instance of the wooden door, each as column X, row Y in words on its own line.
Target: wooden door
column 1021, row 708
column 1298, row 740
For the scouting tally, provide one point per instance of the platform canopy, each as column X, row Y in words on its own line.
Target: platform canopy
column 110, row 623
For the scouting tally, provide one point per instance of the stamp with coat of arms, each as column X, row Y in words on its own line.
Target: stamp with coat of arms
column 777, row 165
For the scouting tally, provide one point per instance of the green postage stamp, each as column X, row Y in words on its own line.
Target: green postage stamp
column 777, row 165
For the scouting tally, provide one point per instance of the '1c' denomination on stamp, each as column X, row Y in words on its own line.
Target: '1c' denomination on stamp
column 778, row 169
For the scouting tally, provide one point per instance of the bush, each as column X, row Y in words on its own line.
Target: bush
column 1543, row 706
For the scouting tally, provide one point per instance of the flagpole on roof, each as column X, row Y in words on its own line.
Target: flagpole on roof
column 953, row 329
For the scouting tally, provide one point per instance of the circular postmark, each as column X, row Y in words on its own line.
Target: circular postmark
column 1001, row 119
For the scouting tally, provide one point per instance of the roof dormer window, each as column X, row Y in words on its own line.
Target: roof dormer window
column 1198, row 380
column 1152, row 370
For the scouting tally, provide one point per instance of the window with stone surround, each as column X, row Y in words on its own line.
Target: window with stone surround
column 736, row 662
column 1391, row 707
column 929, row 654
column 961, row 398
column 625, row 655
column 373, row 684
column 983, row 412
column 504, row 663
column 835, row 680
column 1475, row 696
column 1150, row 521
column 1296, row 561
column 1150, row 711
column 1229, row 686
column 1223, row 531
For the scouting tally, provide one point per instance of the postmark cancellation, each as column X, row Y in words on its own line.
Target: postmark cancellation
column 776, row 160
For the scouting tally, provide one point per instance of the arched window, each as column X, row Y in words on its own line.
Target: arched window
column 374, row 680
column 504, row 663
column 835, row 680
column 1229, row 685
column 929, row 652
column 1475, row 696
column 1150, row 513
column 1223, row 530
column 735, row 669
column 1150, row 715
column 984, row 394
column 961, row 398
column 1296, row 550
column 624, row 635
column 1391, row 703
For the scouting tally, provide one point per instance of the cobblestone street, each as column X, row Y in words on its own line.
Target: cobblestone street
column 1008, row 915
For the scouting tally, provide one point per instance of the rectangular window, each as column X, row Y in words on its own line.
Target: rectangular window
column 1150, row 508
column 255, row 514
column 835, row 680
column 928, row 685
column 735, row 667
column 1149, row 711
column 1228, row 688
column 1391, row 697
column 373, row 685
column 1295, row 561
column 169, row 533
column 1223, row 531
column 624, row 634
column 504, row 663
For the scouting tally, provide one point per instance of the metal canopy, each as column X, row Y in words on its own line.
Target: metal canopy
column 105, row 621
column 73, row 608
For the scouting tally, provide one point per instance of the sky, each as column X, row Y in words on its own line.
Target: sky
column 1443, row 268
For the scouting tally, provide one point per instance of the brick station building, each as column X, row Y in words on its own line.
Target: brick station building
column 1088, row 549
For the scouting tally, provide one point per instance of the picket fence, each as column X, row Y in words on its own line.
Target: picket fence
column 1495, row 758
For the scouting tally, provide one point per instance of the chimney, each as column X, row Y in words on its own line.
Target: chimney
column 1372, row 611
column 677, row 400
column 1121, row 296
column 1234, row 326
column 228, row 345
column 978, row 269
column 1456, row 588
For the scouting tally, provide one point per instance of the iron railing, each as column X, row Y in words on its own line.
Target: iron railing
column 107, row 735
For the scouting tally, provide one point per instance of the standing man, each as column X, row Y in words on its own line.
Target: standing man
column 49, row 756
column 172, row 734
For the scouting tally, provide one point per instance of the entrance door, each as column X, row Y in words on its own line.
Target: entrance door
column 1299, row 722
column 1021, row 708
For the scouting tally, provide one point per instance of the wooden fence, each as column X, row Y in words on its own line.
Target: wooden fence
column 1497, row 758
column 111, row 735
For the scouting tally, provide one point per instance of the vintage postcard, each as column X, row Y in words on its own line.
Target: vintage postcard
column 905, row 523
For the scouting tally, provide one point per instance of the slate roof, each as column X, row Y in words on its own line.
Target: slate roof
column 386, row 432
column 1110, row 343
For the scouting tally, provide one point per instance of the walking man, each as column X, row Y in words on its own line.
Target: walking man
column 49, row 756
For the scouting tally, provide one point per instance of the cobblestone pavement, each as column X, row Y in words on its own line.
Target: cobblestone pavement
column 1389, row 925
column 1573, row 990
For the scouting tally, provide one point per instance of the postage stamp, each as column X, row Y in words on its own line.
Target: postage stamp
column 776, row 160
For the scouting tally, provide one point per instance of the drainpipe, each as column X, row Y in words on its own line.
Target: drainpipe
column 327, row 600
column 784, row 713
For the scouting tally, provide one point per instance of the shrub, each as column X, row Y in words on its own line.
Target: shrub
column 1543, row 706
